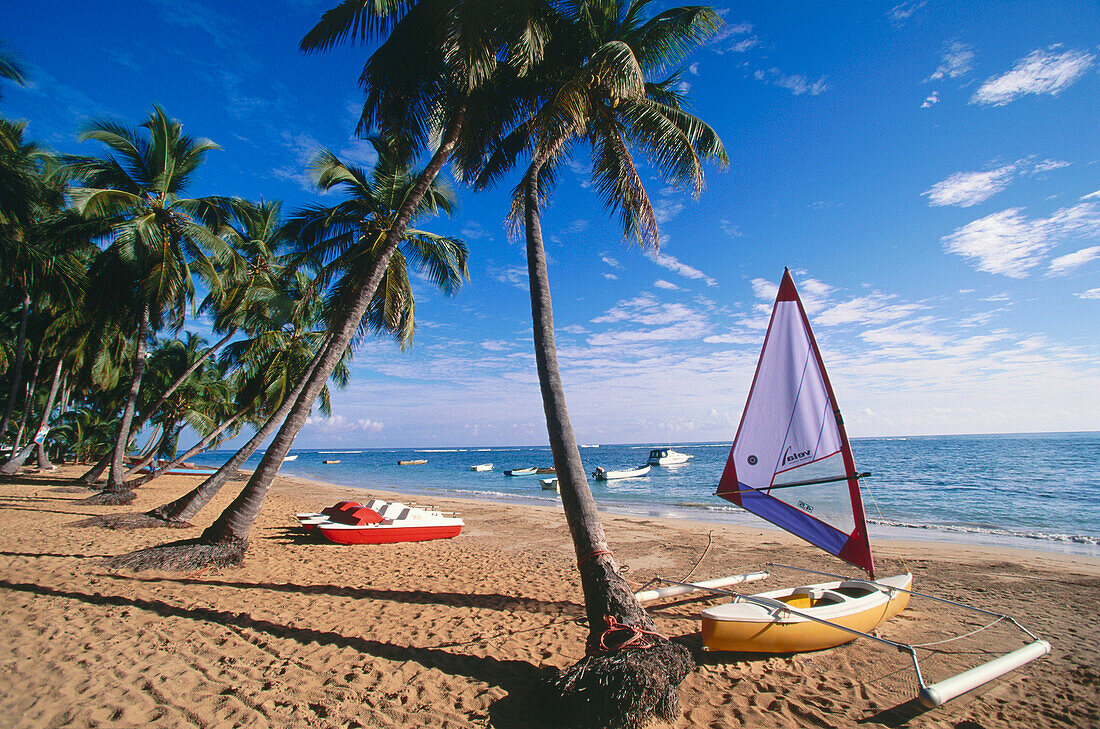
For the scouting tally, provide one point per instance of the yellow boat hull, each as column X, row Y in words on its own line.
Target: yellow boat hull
column 860, row 605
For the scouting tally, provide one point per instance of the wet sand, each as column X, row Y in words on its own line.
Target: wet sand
column 451, row 633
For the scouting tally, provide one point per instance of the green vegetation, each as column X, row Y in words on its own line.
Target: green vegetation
column 481, row 86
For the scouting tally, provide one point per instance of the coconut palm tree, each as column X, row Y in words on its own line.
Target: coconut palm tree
column 35, row 262
column 10, row 68
column 339, row 242
column 593, row 89
column 159, row 239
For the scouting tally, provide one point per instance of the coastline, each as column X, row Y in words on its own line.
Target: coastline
column 451, row 633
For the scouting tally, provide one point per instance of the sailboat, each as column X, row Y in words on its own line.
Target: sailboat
column 791, row 464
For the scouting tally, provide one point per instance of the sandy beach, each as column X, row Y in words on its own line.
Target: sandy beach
column 452, row 633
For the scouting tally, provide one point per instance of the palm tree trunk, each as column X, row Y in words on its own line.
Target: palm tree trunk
column 202, row 445
column 115, row 484
column 182, row 509
column 13, row 465
column 17, row 368
column 93, row 474
column 233, row 525
column 28, row 401
column 606, row 593
column 615, row 684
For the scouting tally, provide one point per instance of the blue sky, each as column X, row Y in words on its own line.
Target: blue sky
column 930, row 172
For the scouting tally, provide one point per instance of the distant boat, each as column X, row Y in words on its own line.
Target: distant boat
column 667, row 457
column 482, row 467
column 290, row 458
column 332, row 461
column 418, row 462
column 551, row 469
column 604, row 475
column 521, row 472
column 549, row 484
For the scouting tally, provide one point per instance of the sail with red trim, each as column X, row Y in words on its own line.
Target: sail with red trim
column 791, row 462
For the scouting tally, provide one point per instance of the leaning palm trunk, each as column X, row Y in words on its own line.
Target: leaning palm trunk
column 156, row 445
column 17, row 368
column 28, row 401
column 116, row 491
column 226, row 540
column 182, row 509
column 614, row 685
column 202, row 445
column 93, row 474
column 16, row 461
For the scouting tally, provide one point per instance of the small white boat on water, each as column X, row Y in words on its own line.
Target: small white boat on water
column 290, row 458
column 549, row 484
column 667, row 457
column 482, row 467
column 522, row 472
column 605, row 475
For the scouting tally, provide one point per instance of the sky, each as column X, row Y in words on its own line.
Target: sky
column 929, row 171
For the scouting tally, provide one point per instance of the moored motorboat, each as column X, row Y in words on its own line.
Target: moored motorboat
column 765, row 623
column 290, row 458
column 521, row 472
column 604, row 475
column 667, row 457
column 549, row 469
column 549, row 484
column 378, row 522
column 416, row 462
column 482, row 467
column 333, row 460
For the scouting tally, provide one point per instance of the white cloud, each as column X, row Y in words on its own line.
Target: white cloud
column 1064, row 264
column 1093, row 294
column 514, row 275
column 666, row 285
column 1092, row 196
column 932, row 99
column 872, row 309
column 496, row 345
column 614, row 263
column 956, row 61
column 795, row 83
column 1041, row 72
column 611, row 277
column 674, row 265
column 1047, row 165
column 1011, row 244
column 340, row 424
column 901, row 12
column 964, row 189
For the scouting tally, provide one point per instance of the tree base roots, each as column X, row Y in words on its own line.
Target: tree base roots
column 110, row 498
column 621, row 690
column 186, row 556
column 130, row 521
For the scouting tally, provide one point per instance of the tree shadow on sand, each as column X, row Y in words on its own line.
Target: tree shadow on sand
column 516, row 677
column 491, row 601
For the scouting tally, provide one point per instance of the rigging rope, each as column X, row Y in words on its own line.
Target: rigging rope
column 957, row 637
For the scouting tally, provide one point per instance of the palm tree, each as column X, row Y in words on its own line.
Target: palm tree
column 420, row 82
column 338, row 242
column 248, row 273
column 594, row 90
column 35, row 262
column 159, row 239
column 10, row 68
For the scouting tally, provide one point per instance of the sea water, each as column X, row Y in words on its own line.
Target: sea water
column 1039, row 491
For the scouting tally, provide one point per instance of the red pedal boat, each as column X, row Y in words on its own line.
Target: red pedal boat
column 378, row 522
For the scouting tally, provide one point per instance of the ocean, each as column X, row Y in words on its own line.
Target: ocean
column 1037, row 491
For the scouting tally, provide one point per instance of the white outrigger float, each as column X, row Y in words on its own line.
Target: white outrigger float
column 791, row 464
